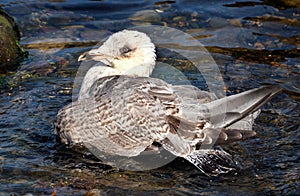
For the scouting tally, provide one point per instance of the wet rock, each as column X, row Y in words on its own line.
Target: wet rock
column 218, row 22
column 283, row 4
column 94, row 192
column 259, row 46
column 179, row 18
column 236, row 22
column 10, row 50
column 145, row 17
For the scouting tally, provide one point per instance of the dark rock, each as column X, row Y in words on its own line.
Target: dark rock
column 11, row 52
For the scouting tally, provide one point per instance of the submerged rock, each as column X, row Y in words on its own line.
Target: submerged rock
column 146, row 16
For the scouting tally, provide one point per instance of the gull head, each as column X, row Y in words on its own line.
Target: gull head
column 129, row 52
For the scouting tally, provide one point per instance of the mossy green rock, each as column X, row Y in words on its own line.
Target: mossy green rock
column 10, row 51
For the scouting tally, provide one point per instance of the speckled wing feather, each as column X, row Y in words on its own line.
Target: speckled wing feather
column 123, row 116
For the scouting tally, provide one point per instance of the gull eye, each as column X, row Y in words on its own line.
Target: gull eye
column 125, row 50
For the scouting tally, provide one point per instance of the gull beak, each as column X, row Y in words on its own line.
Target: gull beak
column 92, row 55
column 83, row 57
column 96, row 56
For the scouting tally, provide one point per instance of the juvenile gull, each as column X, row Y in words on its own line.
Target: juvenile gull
column 122, row 111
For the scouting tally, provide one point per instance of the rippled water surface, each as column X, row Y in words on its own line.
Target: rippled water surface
column 253, row 43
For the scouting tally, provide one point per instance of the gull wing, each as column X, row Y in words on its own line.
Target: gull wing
column 191, row 94
column 123, row 115
column 229, row 110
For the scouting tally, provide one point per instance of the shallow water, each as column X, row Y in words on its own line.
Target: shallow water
column 253, row 43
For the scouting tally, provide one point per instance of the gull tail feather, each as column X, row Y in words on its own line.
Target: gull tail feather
column 236, row 107
column 212, row 162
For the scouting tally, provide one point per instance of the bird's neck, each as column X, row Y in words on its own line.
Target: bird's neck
column 136, row 70
column 99, row 71
column 93, row 74
column 136, row 66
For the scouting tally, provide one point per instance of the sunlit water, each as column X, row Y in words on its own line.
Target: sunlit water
column 253, row 43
